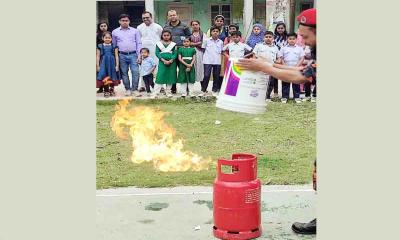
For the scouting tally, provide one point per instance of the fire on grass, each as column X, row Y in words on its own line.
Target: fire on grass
column 153, row 139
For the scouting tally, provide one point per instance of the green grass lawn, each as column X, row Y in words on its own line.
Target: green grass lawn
column 283, row 138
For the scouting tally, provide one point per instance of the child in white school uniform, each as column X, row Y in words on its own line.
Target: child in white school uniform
column 236, row 49
column 269, row 51
column 212, row 60
column 291, row 55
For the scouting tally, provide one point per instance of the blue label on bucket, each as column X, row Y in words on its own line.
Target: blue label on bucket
column 254, row 93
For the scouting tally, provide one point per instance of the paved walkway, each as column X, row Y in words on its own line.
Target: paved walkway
column 186, row 213
column 120, row 92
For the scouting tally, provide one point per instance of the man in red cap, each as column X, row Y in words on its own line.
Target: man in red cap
column 308, row 30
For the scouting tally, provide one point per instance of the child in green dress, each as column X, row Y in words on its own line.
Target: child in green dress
column 167, row 53
column 186, row 75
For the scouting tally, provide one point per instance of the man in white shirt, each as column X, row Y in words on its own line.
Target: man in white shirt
column 150, row 33
column 212, row 60
column 236, row 49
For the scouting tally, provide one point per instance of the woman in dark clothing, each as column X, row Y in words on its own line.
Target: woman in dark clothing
column 280, row 40
column 280, row 34
column 102, row 27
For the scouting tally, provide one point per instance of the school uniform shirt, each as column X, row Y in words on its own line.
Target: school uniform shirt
column 212, row 52
column 146, row 66
column 269, row 52
column 236, row 50
column 291, row 54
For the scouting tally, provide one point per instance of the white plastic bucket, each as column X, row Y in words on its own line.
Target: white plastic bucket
column 243, row 91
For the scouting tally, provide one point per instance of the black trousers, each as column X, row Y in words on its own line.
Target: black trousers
column 286, row 90
column 307, row 89
column 272, row 85
column 218, row 84
column 216, row 69
column 148, row 81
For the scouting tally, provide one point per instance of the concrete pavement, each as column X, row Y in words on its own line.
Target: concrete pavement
column 186, row 212
column 120, row 92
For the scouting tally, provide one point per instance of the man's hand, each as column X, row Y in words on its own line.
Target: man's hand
column 117, row 68
column 314, row 177
column 254, row 64
column 97, row 68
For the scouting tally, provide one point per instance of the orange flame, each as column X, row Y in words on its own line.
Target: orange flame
column 153, row 139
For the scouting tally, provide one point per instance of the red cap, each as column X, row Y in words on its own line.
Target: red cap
column 308, row 17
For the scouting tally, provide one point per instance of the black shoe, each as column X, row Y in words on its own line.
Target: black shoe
column 305, row 228
column 100, row 90
column 142, row 89
column 173, row 89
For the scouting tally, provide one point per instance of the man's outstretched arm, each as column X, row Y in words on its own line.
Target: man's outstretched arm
column 292, row 75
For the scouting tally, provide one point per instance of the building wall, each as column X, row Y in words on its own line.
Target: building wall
column 298, row 10
column 200, row 10
column 277, row 11
column 109, row 12
column 259, row 12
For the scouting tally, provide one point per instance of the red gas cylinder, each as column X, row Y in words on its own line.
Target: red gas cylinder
column 237, row 198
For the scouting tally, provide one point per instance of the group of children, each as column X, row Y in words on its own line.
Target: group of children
column 170, row 56
column 279, row 47
column 108, row 66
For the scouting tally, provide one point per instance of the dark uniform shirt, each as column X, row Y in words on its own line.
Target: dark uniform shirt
column 179, row 32
column 310, row 70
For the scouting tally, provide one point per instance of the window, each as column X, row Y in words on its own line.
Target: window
column 305, row 6
column 260, row 13
column 222, row 9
